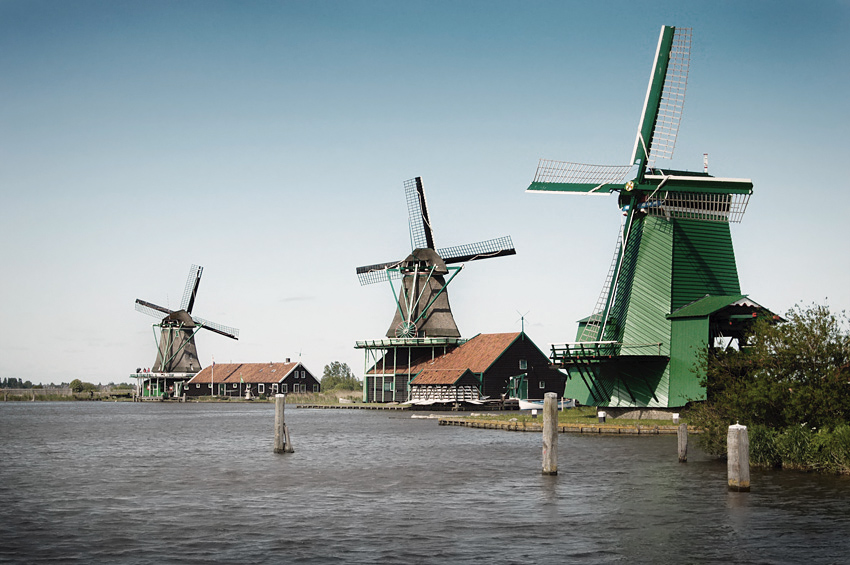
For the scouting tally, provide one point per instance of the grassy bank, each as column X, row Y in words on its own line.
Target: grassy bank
column 580, row 415
column 801, row 448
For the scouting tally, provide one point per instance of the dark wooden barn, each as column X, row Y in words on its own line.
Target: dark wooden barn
column 238, row 379
column 491, row 359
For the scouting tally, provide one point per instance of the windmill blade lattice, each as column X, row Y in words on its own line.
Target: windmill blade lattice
column 665, row 99
column 191, row 289
column 371, row 274
column 672, row 97
column 151, row 309
column 421, row 234
column 578, row 177
column 217, row 328
column 482, row 250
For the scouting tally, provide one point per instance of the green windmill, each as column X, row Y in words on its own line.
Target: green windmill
column 672, row 289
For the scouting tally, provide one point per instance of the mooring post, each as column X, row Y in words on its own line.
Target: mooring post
column 281, row 433
column 738, row 463
column 683, row 443
column 550, row 434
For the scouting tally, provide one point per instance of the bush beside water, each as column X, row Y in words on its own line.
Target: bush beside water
column 790, row 386
column 801, row 448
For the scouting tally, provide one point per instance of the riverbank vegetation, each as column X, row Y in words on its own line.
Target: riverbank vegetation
column 790, row 385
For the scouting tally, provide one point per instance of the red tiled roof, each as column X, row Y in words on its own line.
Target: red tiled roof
column 438, row 377
column 477, row 354
column 244, row 372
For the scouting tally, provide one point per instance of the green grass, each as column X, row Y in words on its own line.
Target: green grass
column 580, row 415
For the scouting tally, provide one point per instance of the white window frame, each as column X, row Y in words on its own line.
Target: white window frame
column 283, row 388
column 541, row 384
column 274, row 387
column 261, row 388
column 315, row 387
column 523, row 364
column 235, row 384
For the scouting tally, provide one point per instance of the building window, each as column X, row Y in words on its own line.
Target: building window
column 388, row 386
column 261, row 388
column 283, row 387
column 234, row 385
column 197, row 385
column 315, row 387
column 542, row 384
column 303, row 374
column 523, row 365
column 274, row 387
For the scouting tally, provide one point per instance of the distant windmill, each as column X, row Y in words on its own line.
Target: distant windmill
column 422, row 306
column 177, row 352
column 674, row 248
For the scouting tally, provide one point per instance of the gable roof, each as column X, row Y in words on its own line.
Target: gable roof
column 709, row 304
column 477, row 354
column 245, row 372
column 439, row 376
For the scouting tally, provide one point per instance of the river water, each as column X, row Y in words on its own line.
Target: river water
column 197, row 483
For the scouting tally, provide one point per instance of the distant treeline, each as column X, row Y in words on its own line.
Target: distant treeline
column 12, row 382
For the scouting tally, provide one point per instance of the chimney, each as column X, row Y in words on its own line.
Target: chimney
column 287, row 359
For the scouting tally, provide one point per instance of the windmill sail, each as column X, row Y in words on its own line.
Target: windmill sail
column 421, row 234
column 580, row 178
column 482, row 250
column 191, row 290
column 151, row 309
column 665, row 97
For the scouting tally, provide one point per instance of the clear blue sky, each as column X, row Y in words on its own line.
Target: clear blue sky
column 268, row 142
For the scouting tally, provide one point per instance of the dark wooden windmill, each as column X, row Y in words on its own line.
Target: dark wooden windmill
column 176, row 352
column 422, row 303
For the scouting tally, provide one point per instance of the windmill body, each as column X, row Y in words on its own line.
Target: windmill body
column 177, row 352
column 423, row 325
column 674, row 251
column 429, row 311
column 177, row 355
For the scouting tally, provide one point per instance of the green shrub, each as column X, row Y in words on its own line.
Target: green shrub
column 763, row 447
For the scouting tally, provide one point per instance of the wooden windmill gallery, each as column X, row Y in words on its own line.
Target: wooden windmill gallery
column 672, row 290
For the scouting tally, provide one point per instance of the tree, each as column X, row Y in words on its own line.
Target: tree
column 76, row 385
column 340, row 377
column 793, row 373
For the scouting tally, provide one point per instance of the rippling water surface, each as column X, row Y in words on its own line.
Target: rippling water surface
column 198, row 483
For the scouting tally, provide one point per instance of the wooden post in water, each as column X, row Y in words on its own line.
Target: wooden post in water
column 281, row 433
column 683, row 443
column 550, row 434
column 738, row 463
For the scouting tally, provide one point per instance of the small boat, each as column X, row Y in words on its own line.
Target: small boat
column 538, row 404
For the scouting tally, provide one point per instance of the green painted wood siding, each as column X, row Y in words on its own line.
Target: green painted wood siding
column 689, row 341
column 649, row 297
column 626, row 381
column 703, row 261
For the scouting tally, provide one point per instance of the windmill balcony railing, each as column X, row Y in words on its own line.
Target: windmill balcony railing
column 586, row 351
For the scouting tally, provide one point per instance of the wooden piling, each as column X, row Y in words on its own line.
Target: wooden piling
column 738, row 463
column 550, row 434
column 683, row 443
column 282, row 444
